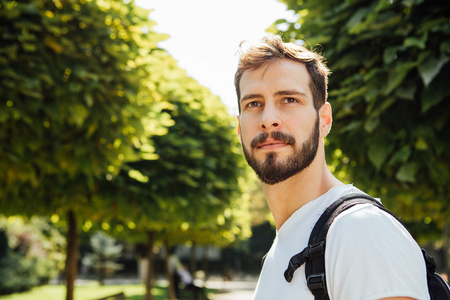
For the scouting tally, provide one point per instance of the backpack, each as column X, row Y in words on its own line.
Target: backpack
column 314, row 254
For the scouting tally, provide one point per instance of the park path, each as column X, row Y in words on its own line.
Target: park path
column 237, row 289
column 232, row 290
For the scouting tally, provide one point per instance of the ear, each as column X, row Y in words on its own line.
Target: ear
column 326, row 119
column 239, row 129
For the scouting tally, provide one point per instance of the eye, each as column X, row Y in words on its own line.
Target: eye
column 253, row 104
column 290, row 100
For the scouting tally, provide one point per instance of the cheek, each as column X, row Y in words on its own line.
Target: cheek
column 247, row 126
column 300, row 128
column 244, row 136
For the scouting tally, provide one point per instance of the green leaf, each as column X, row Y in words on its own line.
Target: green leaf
column 395, row 78
column 445, row 47
column 433, row 25
column 4, row 116
column 435, row 92
column 406, row 92
column 9, row 72
column 149, row 156
column 371, row 124
column 430, row 67
column 415, row 42
column 187, row 180
column 410, row 3
column 29, row 47
column 351, row 126
column 390, row 20
column 401, row 156
column 54, row 45
column 79, row 113
column 407, row 173
column 377, row 153
column 421, row 144
column 135, row 174
column 34, row 94
column 355, row 25
column 390, row 54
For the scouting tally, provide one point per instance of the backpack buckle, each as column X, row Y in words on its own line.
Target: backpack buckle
column 316, row 284
column 310, row 252
column 316, row 250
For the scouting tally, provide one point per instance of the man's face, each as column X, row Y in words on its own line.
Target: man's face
column 278, row 124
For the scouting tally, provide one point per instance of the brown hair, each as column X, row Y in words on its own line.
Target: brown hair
column 272, row 48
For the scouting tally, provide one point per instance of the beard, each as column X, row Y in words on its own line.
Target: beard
column 274, row 170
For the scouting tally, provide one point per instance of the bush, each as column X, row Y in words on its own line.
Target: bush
column 28, row 254
column 16, row 274
column 104, row 255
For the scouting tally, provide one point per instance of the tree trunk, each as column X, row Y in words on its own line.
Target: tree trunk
column 150, row 265
column 205, row 261
column 72, row 254
column 193, row 259
column 172, row 295
column 446, row 249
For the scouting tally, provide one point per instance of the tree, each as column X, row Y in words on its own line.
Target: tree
column 192, row 192
column 105, row 253
column 75, row 105
column 390, row 64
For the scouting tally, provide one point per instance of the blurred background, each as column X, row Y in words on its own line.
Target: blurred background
column 118, row 141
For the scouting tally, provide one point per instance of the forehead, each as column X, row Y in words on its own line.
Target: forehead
column 282, row 74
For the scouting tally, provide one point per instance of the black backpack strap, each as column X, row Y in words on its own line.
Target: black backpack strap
column 438, row 288
column 313, row 254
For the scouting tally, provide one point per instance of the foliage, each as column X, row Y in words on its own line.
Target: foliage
column 30, row 253
column 16, row 271
column 36, row 249
column 105, row 253
column 259, row 210
column 36, row 237
column 73, row 104
column 11, row 269
column 76, row 104
column 193, row 191
column 389, row 91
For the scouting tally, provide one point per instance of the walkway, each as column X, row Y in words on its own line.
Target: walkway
column 238, row 289
column 232, row 290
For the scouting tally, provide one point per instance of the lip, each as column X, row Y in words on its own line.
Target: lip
column 271, row 144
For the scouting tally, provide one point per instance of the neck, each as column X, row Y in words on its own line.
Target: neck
column 286, row 197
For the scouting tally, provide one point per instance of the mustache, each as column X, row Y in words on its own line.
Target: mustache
column 276, row 135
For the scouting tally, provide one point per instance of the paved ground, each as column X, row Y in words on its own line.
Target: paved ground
column 232, row 290
column 238, row 289
column 234, row 295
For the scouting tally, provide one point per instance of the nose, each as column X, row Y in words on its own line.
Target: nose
column 270, row 120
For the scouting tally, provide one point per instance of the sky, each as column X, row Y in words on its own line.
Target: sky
column 205, row 36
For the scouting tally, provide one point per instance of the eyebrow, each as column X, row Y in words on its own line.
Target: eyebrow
column 278, row 93
column 250, row 96
column 289, row 92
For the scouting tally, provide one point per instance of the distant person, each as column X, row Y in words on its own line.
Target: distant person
column 175, row 265
column 283, row 118
column 181, row 274
column 187, row 280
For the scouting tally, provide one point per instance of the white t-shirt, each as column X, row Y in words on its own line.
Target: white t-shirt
column 369, row 255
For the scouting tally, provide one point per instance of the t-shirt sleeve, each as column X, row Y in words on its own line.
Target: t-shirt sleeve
column 370, row 255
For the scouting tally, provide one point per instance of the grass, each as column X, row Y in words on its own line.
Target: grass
column 89, row 292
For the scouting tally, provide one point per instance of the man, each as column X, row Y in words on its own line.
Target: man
column 283, row 120
column 180, row 272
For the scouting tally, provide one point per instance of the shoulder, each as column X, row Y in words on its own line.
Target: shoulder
column 363, row 219
column 370, row 254
column 365, row 230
